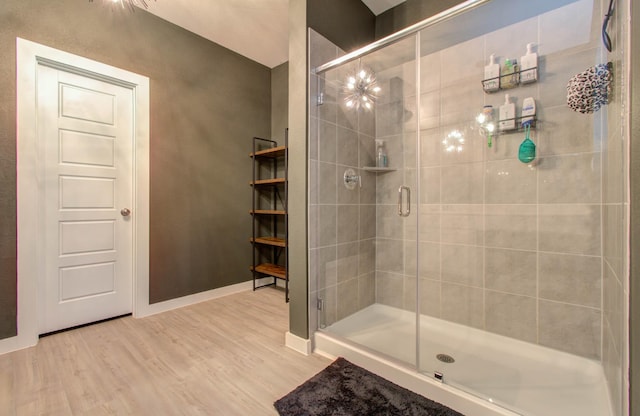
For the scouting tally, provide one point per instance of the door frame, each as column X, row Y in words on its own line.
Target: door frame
column 30, row 223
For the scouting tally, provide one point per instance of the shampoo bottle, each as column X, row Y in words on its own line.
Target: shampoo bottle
column 381, row 155
column 528, row 111
column 529, row 66
column 509, row 74
column 491, row 75
column 507, row 115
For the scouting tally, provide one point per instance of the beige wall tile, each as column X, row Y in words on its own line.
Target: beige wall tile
column 389, row 289
column 347, row 298
column 570, row 328
column 510, row 182
column 462, row 264
column 569, row 229
column 511, row 226
column 348, row 261
column 511, row 271
column 571, row 279
column 348, row 222
column 462, row 224
column 463, row 304
column 462, row 184
column 389, row 255
column 570, row 179
column 511, row 315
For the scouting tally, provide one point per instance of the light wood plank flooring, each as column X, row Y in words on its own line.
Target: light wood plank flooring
column 221, row 357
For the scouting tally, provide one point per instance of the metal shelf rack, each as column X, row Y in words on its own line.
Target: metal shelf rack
column 269, row 240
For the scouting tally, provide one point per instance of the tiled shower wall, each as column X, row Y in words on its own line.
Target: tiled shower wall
column 342, row 228
column 614, row 223
column 513, row 249
column 503, row 246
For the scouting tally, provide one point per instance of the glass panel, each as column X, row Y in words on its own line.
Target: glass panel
column 509, row 249
column 367, row 198
column 500, row 262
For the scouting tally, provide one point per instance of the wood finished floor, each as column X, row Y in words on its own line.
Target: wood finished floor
column 220, row 357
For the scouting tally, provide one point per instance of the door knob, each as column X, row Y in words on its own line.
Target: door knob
column 125, row 212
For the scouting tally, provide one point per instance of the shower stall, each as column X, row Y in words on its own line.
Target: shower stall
column 456, row 259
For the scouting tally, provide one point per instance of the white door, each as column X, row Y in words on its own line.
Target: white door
column 85, row 129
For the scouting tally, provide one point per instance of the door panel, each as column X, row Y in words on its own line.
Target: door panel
column 86, row 192
column 86, row 149
column 85, row 104
column 86, row 142
column 87, row 280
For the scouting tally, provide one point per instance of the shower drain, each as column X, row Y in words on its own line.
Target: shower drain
column 445, row 358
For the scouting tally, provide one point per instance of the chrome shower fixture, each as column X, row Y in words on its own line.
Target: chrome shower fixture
column 361, row 89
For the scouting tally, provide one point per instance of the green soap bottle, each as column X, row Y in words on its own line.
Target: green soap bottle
column 509, row 74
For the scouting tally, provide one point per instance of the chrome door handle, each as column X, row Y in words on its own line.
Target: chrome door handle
column 401, row 212
column 125, row 212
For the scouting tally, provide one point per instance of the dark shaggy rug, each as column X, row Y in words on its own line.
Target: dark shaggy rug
column 344, row 389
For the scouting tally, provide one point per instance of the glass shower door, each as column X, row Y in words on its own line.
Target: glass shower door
column 369, row 291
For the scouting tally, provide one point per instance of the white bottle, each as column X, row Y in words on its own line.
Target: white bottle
column 529, row 66
column 381, row 155
column 528, row 111
column 507, row 115
column 491, row 80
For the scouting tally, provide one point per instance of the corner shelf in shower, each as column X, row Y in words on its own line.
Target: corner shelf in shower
column 378, row 169
column 269, row 212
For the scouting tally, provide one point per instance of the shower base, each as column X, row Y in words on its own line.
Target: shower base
column 488, row 369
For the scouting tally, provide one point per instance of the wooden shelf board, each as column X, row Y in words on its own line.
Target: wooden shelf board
column 271, row 152
column 268, row 211
column 272, row 270
column 273, row 181
column 271, row 241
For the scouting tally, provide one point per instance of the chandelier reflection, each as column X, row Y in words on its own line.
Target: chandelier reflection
column 127, row 3
column 361, row 89
column 454, row 142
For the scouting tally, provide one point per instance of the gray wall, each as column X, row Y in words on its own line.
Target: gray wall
column 347, row 23
column 279, row 101
column 634, row 199
column 206, row 104
column 297, row 204
column 408, row 13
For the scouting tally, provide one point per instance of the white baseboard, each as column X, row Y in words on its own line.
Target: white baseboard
column 183, row 301
column 16, row 343
column 301, row 345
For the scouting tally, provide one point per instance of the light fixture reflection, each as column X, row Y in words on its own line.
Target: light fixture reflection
column 128, row 3
column 454, row 142
column 486, row 124
column 361, row 89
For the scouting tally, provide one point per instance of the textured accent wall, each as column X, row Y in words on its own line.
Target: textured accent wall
column 206, row 104
column 409, row 12
column 349, row 24
column 279, row 101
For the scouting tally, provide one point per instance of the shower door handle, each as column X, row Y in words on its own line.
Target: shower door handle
column 401, row 212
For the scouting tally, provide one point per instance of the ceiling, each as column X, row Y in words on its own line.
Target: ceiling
column 257, row 29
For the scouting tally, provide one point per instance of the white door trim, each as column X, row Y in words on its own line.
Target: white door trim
column 30, row 225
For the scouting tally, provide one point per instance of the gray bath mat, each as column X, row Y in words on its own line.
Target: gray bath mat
column 344, row 389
